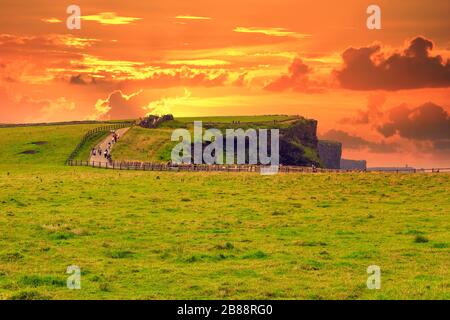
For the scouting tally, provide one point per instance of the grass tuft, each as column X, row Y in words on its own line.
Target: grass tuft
column 420, row 239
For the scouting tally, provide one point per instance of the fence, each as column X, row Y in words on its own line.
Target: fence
column 149, row 166
column 91, row 133
column 411, row 170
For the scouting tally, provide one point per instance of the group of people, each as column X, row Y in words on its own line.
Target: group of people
column 107, row 152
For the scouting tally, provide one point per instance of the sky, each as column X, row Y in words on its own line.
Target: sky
column 383, row 93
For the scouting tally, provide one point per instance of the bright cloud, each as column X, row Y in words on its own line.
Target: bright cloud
column 275, row 32
column 51, row 20
column 188, row 17
column 110, row 18
column 200, row 62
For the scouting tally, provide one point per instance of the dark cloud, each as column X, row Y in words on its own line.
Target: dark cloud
column 77, row 80
column 354, row 142
column 443, row 145
column 367, row 69
column 373, row 111
column 426, row 122
column 297, row 79
column 82, row 79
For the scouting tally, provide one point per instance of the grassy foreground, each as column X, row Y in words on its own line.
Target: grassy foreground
column 144, row 235
column 158, row 235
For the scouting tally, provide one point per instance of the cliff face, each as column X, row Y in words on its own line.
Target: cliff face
column 298, row 144
column 303, row 131
column 330, row 153
column 353, row 164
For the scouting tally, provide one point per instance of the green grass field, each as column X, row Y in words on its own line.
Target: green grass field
column 140, row 144
column 159, row 235
column 52, row 144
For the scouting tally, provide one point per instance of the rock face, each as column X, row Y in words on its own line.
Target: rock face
column 330, row 153
column 348, row 164
column 303, row 130
column 298, row 144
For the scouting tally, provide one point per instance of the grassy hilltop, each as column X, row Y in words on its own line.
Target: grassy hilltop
column 298, row 139
column 156, row 235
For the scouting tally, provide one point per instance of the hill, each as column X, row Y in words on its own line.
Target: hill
column 298, row 138
column 42, row 145
column 181, row 235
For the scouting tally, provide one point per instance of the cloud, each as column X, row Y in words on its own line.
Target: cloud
column 9, row 41
column 51, row 20
column 120, row 106
column 110, row 18
column 240, row 81
column 135, row 105
column 297, row 79
column 164, row 105
column 426, row 122
column 421, row 130
column 188, row 17
column 367, row 68
column 124, row 73
column 199, row 62
column 18, row 108
column 82, row 79
column 184, row 76
column 354, row 142
column 38, row 59
column 274, row 32
column 51, row 107
column 373, row 111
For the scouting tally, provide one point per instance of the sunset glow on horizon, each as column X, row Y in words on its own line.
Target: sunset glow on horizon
column 383, row 93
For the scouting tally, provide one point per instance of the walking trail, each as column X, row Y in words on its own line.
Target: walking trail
column 99, row 159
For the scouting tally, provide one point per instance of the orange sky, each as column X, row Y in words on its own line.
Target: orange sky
column 383, row 93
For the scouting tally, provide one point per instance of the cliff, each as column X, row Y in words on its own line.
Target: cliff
column 348, row 164
column 298, row 144
column 330, row 153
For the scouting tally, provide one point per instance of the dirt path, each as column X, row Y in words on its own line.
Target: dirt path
column 99, row 159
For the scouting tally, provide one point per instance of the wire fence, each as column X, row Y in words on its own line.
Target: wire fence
column 92, row 133
column 149, row 166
